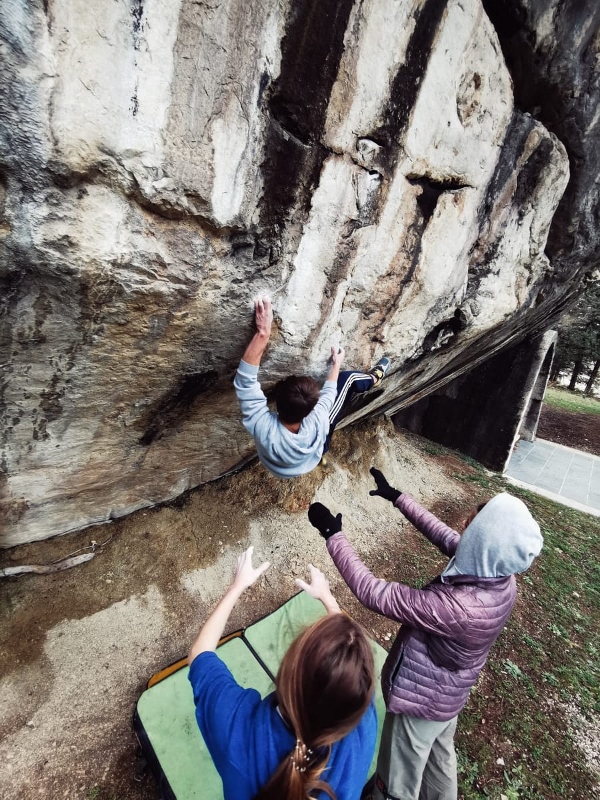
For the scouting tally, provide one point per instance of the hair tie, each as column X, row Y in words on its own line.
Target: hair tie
column 301, row 756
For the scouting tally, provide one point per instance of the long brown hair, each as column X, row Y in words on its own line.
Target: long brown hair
column 324, row 686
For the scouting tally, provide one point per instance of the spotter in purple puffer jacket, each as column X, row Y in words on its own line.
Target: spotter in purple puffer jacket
column 448, row 627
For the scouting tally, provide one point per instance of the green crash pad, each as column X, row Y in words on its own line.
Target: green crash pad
column 165, row 719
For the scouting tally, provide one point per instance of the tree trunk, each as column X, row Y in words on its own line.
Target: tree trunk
column 556, row 370
column 592, row 379
column 576, row 370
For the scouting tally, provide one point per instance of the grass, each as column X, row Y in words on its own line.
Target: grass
column 575, row 402
column 516, row 736
column 97, row 793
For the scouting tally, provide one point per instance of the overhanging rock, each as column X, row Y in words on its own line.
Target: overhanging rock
column 362, row 162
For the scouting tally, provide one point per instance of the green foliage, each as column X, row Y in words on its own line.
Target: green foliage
column 481, row 477
column 468, row 772
column 434, row 449
column 579, row 334
column 571, row 401
column 513, row 669
column 514, row 736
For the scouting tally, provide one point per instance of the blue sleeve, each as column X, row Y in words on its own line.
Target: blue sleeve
column 252, row 399
column 351, row 758
column 224, row 710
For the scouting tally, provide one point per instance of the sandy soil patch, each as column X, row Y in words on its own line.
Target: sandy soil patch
column 77, row 647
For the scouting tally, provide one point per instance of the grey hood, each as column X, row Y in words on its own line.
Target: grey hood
column 501, row 540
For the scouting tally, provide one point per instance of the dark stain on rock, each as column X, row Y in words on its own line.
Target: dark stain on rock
column 426, row 198
column 508, row 18
column 486, row 247
column 291, row 172
column 311, row 51
column 10, row 290
column 137, row 12
column 431, row 191
column 13, row 510
column 409, row 257
column 99, row 295
column 262, row 250
column 265, row 79
column 176, row 406
column 413, row 244
column 253, row 256
column 444, row 332
column 407, row 81
column 39, row 432
column 50, row 401
column 528, row 177
column 518, row 131
column 3, row 191
column 42, row 309
column 242, row 241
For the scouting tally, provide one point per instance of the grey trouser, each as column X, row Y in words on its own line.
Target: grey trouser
column 416, row 760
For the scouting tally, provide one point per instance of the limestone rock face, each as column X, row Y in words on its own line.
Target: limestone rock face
column 553, row 53
column 164, row 162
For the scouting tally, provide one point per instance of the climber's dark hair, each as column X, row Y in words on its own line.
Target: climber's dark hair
column 324, row 686
column 295, row 397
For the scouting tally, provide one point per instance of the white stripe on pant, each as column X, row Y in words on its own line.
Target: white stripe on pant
column 343, row 392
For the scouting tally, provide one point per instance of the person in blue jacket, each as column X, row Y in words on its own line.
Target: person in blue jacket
column 292, row 441
column 315, row 736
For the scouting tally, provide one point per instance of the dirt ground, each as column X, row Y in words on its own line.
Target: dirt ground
column 77, row 647
column 581, row 431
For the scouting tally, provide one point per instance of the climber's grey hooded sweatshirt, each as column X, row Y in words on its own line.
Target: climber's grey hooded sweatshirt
column 283, row 453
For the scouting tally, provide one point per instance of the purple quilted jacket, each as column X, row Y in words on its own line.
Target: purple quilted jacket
column 447, row 628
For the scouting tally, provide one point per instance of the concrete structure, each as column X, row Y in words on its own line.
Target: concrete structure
column 567, row 476
column 485, row 411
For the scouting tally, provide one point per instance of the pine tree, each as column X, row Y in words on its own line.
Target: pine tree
column 578, row 350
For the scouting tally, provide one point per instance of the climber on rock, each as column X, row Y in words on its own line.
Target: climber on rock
column 447, row 630
column 292, row 441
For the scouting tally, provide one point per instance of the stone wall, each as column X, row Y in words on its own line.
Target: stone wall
column 163, row 162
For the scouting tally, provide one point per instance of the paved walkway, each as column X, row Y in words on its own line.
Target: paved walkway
column 568, row 476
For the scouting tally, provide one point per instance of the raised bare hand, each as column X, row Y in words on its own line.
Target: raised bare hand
column 263, row 315
column 245, row 573
column 319, row 589
column 337, row 356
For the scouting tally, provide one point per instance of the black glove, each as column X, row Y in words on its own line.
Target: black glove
column 321, row 518
column 383, row 488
